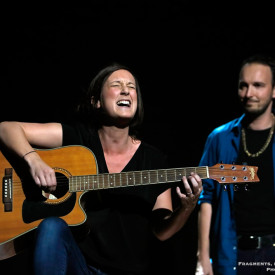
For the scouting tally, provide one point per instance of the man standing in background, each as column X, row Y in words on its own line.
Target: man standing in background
column 237, row 228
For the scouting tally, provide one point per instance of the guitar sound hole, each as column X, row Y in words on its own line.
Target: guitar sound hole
column 62, row 185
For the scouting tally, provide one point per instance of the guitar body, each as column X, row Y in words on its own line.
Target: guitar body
column 29, row 205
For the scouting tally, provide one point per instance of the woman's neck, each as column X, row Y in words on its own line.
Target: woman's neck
column 115, row 140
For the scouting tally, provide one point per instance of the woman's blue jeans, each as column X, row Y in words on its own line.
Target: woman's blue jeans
column 56, row 251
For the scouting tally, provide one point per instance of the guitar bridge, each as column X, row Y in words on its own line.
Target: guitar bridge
column 7, row 190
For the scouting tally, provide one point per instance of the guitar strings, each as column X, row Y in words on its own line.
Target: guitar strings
column 61, row 181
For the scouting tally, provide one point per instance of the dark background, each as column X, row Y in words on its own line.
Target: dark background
column 187, row 65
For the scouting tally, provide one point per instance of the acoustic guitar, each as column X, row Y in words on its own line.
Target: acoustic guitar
column 24, row 205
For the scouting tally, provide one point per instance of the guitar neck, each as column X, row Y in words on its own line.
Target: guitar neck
column 135, row 178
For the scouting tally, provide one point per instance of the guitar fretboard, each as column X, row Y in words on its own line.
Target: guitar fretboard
column 135, row 178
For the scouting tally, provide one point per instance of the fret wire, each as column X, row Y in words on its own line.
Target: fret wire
column 144, row 177
column 83, row 183
column 93, row 180
column 153, row 176
column 135, row 174
column 112, row 183
column 102, row 180
column 130, row 179
column 96, row 182
column 88, row 183
column 118, row 179
column 75, row 184
column 110, row 179
column 70, row 184
column 124, row 179
column 99, row 182
column 139, row 179
column 106, row 183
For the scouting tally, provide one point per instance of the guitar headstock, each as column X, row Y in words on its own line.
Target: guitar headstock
column 231, row 173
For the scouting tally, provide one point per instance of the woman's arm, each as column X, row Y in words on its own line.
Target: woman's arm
column 19, row 137
column 167, row 222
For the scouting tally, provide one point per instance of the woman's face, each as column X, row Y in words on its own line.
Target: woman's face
column 119, row 96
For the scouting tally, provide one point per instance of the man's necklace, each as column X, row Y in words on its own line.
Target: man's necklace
column 265, row 145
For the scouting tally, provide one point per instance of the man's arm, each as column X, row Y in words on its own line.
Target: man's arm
column 204, row 222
